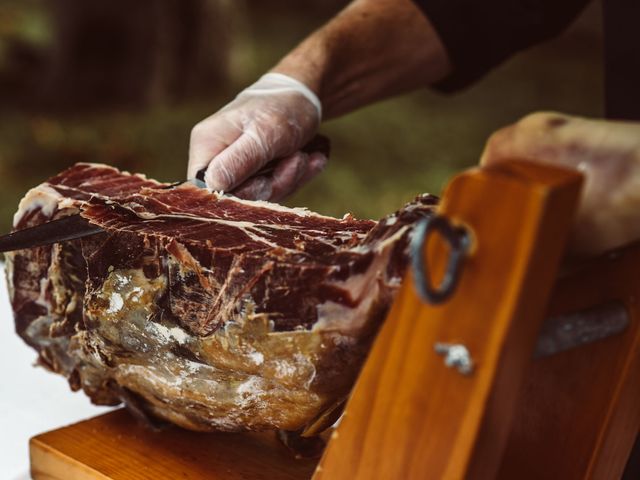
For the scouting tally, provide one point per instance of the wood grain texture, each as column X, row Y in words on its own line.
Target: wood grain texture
column 578, row 414
column 411, row 417
column 114, row 447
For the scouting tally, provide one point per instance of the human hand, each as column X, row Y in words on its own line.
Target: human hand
column 270, row 120
column 606, row 152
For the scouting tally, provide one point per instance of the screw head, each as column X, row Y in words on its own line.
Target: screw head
column 456, row 356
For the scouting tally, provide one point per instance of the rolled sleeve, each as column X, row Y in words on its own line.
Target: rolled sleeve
column 478, row 35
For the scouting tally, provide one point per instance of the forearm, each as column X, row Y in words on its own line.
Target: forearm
column 372, row 50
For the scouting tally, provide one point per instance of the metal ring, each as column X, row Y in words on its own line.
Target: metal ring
column 459, row 242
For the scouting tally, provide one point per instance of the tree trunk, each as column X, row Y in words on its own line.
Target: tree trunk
column 122, row 53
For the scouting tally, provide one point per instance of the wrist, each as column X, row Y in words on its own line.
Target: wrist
column 308, row 63
column 275, row 83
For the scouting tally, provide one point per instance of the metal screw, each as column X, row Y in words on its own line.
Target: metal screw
column 456, row 356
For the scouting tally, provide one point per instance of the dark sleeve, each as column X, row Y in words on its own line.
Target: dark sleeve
column 480, row 34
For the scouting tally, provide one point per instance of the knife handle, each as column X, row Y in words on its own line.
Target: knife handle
column 319, row 143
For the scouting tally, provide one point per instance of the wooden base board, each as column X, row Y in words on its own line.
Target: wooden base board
column 115, row 447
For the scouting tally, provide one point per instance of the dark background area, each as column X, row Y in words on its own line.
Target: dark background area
column 123, row 82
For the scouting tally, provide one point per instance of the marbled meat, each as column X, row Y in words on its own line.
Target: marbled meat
column 202, row 309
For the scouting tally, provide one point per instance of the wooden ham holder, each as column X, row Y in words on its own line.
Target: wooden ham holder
column 527, row 370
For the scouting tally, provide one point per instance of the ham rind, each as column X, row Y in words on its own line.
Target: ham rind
column 202, row 309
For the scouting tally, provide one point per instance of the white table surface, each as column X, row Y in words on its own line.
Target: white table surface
column 32, row 400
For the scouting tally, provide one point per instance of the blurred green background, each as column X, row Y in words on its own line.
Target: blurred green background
column 123, row 82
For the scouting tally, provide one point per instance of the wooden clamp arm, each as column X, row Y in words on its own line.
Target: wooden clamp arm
column 411, row 416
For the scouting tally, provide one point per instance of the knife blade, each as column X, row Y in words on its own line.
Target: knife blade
column 60, row 230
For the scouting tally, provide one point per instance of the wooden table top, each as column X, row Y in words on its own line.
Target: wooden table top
column 114, row 446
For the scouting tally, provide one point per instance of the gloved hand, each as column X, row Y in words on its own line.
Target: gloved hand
column 271, row 119
column 606, row 152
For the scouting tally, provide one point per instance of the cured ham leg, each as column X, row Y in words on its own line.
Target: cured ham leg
column 205, row 310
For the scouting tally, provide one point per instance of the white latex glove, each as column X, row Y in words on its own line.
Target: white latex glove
column 271, row 119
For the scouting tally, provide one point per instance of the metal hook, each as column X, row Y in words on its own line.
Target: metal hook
column 459, row 242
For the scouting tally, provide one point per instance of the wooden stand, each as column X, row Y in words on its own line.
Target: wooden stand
column 570, row 415
column 115, row 447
